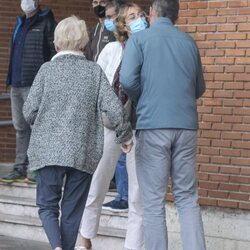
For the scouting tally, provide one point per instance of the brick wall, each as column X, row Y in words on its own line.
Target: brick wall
column 222, row 31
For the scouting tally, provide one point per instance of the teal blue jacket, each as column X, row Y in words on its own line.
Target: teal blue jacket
column 162, row 73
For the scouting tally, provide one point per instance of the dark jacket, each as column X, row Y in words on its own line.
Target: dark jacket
column 38, row 46
column 99, row 37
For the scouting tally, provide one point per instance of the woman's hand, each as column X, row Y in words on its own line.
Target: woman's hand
column 127, row 146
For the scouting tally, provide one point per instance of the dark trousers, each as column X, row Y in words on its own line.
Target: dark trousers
column 50, row 180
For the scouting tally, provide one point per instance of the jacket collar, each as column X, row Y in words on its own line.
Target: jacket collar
column 68, row 52
column 164, row 20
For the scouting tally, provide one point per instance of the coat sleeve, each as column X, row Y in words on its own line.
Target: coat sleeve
column 200, row 82
column 49, row 48
column 109, row 103
column 131, row 69
column 32, row 103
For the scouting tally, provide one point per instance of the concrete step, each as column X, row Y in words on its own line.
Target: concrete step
column 15, row 189
column 13, row 243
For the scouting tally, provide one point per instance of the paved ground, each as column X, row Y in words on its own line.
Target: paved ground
column 7, row 243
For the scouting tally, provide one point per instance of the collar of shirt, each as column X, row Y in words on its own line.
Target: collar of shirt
column 165, row 20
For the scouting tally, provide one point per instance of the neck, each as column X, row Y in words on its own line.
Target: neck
column 29, row 15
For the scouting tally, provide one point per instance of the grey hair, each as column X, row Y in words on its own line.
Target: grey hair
column 166, row 8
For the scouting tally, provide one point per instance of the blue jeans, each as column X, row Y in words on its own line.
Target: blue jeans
column 121, row 179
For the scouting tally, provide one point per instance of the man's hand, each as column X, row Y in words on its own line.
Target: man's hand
column 126, row 148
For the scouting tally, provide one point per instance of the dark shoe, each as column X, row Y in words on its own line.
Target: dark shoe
column 31, row 178
column 13, row 176
column 116, row 206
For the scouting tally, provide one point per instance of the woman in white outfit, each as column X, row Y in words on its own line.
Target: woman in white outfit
column 130, row 19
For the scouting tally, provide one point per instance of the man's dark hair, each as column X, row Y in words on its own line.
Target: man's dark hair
column 116, row 4
column 166, row 8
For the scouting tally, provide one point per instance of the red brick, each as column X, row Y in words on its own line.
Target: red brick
column 234, row 69
column 218, row 194
column 245, row 153
column 226, row 60
column 221, row 143
column 240, row 179
column 230, row 152
column 196, row 20
column 234, row 85
column 243, row 44
column 203, row 142
column 225, row 44
column 232, row 103
column 203, row 176
column 197, row 5
column 224, row 77
column 217, row 4
column 241, row 144
column 202, row 192
column 209, row 168
column 229, row 187
column 230, row 204
column 208, row 185
column 216, row 36
column 231, row 135
column 240, row 162
column 245, row 188
column 211, row 118
column 227, row 28
column 217, row 53
column 243, row 27
column 237, row 36
column 227, row 12
column 207, row 202
column 224, row 111
column 211, row 134
column 207, row 12
column 238, row 3
column 232, row 119
column 219, row 177
column 222, row 160
column 221, row 126
column 218, row 19
column 229, row 170
column 243, row 205
column 206, row 28
column 239, row 196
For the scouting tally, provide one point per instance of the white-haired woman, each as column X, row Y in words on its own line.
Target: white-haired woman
column 64, row 108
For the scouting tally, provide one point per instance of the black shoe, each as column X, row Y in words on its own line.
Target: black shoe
column 116, row 206
column 13, row 176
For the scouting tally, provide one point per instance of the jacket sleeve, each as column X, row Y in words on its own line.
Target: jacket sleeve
column 109, row 103
column 200, row 82
column 49, row 48
column 131, row 68
column 32, row 103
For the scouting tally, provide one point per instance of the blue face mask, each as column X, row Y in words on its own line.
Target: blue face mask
column 138, row 25
column 109, row 25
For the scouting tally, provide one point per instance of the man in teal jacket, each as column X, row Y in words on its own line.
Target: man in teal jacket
column 162, row 73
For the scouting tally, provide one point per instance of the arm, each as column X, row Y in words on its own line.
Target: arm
column 49, row 48
column 200, row 82
column 31, row 105
column 131, row 69
column 109, row 103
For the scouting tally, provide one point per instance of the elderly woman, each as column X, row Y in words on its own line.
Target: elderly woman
column 131, row 19
column 64, row 108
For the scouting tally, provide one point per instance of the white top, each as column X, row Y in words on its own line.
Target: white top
column 110, row 58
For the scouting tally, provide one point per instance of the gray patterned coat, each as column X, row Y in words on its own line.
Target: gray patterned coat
column 64, row 108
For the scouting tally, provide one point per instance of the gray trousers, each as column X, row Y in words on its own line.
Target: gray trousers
column 23, row 131
column 49, row 194
column 161, row 154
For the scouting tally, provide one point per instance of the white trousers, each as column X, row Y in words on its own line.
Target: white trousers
column 99, row 187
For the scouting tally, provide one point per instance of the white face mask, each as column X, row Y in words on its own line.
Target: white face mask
column 28, row 6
